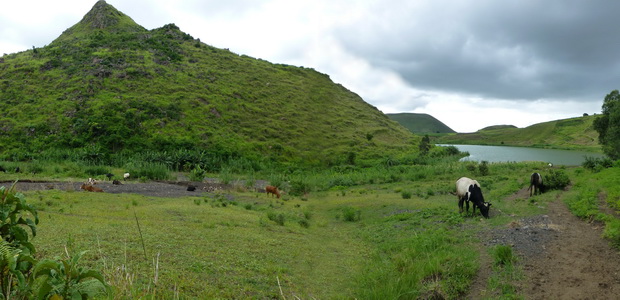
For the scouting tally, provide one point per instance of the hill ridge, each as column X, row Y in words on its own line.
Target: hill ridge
column 420, row 123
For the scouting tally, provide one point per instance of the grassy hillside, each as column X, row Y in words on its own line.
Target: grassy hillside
column 574, row 133
column 108, row 86
column 421, row 123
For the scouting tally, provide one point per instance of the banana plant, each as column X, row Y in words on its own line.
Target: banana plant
column 65, row 279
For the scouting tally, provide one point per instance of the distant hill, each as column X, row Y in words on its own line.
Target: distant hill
column 573, row 133
column 107, row 85
column 420, row 123
column 494, row 127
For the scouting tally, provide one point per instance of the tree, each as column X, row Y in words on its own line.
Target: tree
column 608, row 125
column 425, row 145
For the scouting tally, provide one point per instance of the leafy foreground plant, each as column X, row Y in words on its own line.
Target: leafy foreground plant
column 21, row 275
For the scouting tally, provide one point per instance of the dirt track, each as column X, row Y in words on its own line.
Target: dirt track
column 156, row 189
column 562, row 257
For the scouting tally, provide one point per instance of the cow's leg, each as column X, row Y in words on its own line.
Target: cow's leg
column 466, row 207
column 461, row 200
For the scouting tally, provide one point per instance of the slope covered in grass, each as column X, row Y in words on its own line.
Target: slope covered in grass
column 421, row 123
column 108, row 85
column 574, row 133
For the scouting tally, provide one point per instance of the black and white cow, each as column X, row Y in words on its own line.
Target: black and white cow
column 536, row 184
column 469, row 190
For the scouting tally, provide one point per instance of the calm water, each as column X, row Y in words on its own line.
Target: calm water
column 513, row 154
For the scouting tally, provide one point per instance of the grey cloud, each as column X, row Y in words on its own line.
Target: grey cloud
column 497, row 49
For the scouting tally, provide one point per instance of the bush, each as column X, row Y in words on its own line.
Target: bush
column 350, row 214
column 197, row 174
column 597, row 164
column 406, row 194
column 556, row 180
column 299, row 187
column 483, row 168
column 278, row 218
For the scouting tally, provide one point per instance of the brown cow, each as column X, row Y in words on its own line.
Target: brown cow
column 91, row 188
column 270, row 189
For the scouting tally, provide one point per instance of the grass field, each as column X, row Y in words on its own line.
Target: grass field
column 398, row 239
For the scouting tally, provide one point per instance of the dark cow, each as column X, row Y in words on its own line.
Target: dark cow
column 536, row 184
column 469, row 190
column 191, row 188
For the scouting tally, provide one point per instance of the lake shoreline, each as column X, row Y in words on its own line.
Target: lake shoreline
column 519, row 153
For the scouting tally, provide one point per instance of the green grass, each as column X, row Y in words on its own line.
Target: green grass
column 364, row 240
column 571, row 134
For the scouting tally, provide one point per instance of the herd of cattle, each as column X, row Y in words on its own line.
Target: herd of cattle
column 468, row 190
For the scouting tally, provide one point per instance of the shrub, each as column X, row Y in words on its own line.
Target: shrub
column 304, row 223
column 406, row 194
column 483, row 168
column 597, row 164
column 350, row 214
column 299, row 187
column 557, row 180
column 278, row 218
column 197, row 174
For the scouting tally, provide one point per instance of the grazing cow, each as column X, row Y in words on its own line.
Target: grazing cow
column 92, row 181
column 469, row 190
column 126, row 176
column 116, row 182
column 536, row 184
column 191, row 188
column 90, row 188
column 109, row 175
column 270, row 189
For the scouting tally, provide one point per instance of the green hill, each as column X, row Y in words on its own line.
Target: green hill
column 108, row 86
column 574, row 133
column 420, row 123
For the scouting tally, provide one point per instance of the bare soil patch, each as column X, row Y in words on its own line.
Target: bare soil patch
column 154, row 188
column 562, row 256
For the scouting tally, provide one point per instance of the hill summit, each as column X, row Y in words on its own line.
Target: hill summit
column 107, row 86
column 101, row 17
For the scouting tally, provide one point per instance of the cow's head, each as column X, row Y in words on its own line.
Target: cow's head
column 484, row 209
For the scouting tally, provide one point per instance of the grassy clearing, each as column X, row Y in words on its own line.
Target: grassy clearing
column 362, row 239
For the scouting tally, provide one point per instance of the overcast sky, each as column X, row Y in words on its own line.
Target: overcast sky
column 470, row 64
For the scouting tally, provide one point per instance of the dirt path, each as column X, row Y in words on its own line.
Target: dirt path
column 562, row 257
column 578, row 263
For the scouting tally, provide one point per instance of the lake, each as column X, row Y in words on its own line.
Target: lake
column 514, row 154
